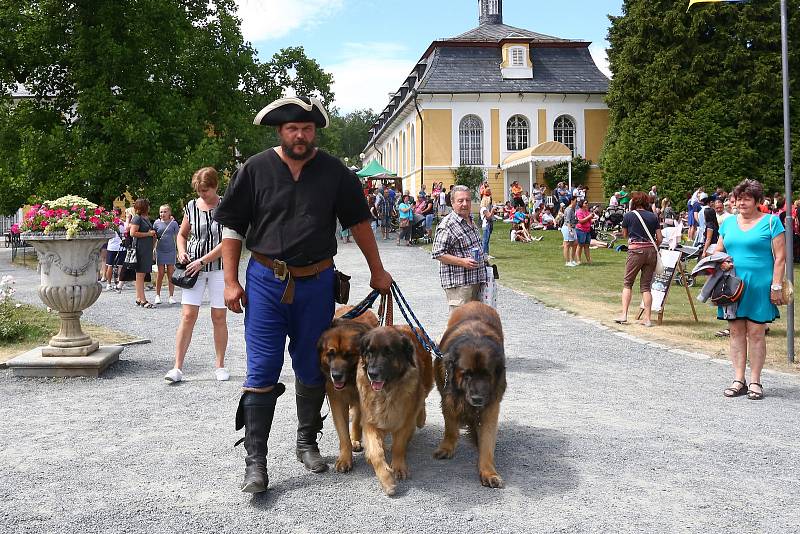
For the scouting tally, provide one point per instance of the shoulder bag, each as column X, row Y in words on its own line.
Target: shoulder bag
column 787, row 288
column 659, row 261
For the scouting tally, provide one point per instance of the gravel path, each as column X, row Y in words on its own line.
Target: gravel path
column 597, row 433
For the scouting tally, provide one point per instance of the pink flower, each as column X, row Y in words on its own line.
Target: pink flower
column 117, row 220
column 74, row 207
column 94, row 220
column 44, row 224
column 50, row 213
column 14, row 228
column 98, row 211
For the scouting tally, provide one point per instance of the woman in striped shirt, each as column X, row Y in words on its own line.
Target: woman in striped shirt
column 200, row 247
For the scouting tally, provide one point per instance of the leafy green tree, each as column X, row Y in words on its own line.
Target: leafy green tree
column 695, row 97
column 560, row 172
column 471, row 177
column 133, row 95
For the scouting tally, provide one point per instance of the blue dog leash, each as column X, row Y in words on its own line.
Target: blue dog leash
column 416, row 326
column 420, row 333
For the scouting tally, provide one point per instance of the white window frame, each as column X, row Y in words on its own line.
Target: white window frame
column 518, row 136
column 517, row 58
column 470, row 140
column 562, row 132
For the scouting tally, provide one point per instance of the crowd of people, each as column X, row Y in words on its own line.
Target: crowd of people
column 194, row 244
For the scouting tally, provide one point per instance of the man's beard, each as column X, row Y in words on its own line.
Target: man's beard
column 288, row 149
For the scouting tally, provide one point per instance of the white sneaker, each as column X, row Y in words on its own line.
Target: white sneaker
column 172, row 300
column 157, row 300
column 175, row 375
column 109, row 287
column 570, row 264
column 221, row 374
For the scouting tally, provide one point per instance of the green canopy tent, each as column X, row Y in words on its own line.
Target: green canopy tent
column 376, row 171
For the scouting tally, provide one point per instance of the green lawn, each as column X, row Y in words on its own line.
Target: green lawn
column 537, row 269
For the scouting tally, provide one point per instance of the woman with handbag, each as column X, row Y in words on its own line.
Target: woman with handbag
column 200, row 250
column 756, row 244
column 640, row 227
column 406, row 216
column 141, row 253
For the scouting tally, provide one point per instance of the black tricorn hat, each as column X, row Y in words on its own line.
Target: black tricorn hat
column 293, row 109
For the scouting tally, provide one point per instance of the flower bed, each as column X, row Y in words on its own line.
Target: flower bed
column 70, row 213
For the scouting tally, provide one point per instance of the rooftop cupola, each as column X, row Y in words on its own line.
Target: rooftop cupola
column 490, row 12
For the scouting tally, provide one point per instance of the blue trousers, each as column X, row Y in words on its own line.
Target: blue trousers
column 267, row 324
column 487, row 233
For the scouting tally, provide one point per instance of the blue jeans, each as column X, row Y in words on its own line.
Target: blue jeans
column 267, row 323
column 487, row 233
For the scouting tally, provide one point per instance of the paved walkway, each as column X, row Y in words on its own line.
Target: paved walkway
column 597, row 433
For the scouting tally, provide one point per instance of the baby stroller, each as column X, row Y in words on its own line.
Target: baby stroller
column 611, row 219
column 418, row 230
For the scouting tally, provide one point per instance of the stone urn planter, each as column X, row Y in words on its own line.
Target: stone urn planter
column 68, row 270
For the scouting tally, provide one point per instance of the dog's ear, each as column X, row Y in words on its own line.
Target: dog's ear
column 363, row 343
column 408, row 350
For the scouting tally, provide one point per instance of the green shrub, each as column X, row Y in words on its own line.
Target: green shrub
column 472, row 177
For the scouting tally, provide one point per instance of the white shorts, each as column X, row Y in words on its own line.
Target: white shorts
column 215, row 281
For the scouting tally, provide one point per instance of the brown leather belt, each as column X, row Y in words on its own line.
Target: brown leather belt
column 291, row 272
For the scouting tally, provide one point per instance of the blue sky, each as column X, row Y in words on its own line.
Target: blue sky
column 370, row 45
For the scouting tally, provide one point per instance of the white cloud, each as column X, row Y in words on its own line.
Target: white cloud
column 270, row 19
column 600, row 57
column 367, row 73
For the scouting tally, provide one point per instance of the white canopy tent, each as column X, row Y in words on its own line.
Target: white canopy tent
column 544, row 155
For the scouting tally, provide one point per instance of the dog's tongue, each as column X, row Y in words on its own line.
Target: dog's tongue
column 376, row 385
column 338, row 385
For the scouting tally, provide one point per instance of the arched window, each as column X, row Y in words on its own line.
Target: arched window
column 396, row 154
column 404, row 163
column 413, row 163
column 470, row 137
column 517, row 133
column 564, row 132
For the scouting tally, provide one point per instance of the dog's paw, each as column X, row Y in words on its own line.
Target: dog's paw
column 401, row 471
column 357, row 447
column 443, row 453
column 389, row 488
column 343, row 465
column 491, row 479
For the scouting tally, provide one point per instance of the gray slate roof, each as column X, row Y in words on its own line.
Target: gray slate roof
column 477, row 69
column 498, row 32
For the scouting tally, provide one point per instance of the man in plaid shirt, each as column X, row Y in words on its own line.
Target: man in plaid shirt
column 456, row 243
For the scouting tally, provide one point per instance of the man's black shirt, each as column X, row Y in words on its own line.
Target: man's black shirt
column 287, row 220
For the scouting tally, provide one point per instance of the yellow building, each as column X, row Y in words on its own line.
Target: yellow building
column 478, row 98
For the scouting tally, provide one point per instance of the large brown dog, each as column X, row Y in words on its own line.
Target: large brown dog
column 339, row 350
column 471, row 378
column 394, row 378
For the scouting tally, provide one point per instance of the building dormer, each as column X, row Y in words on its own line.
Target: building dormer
column 517, row 62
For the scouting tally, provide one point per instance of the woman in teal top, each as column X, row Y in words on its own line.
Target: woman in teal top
column 755, row 242
column 406, row 215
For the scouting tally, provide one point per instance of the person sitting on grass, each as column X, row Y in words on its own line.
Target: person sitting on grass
column 548, row 220
column 519, row 233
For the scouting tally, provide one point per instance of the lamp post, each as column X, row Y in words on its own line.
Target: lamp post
column 787, row 177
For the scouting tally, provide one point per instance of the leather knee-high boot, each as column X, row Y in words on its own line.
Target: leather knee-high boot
column 309, row 422
column 255, row 413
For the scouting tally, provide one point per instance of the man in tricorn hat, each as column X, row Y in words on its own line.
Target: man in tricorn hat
column 286, row 200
